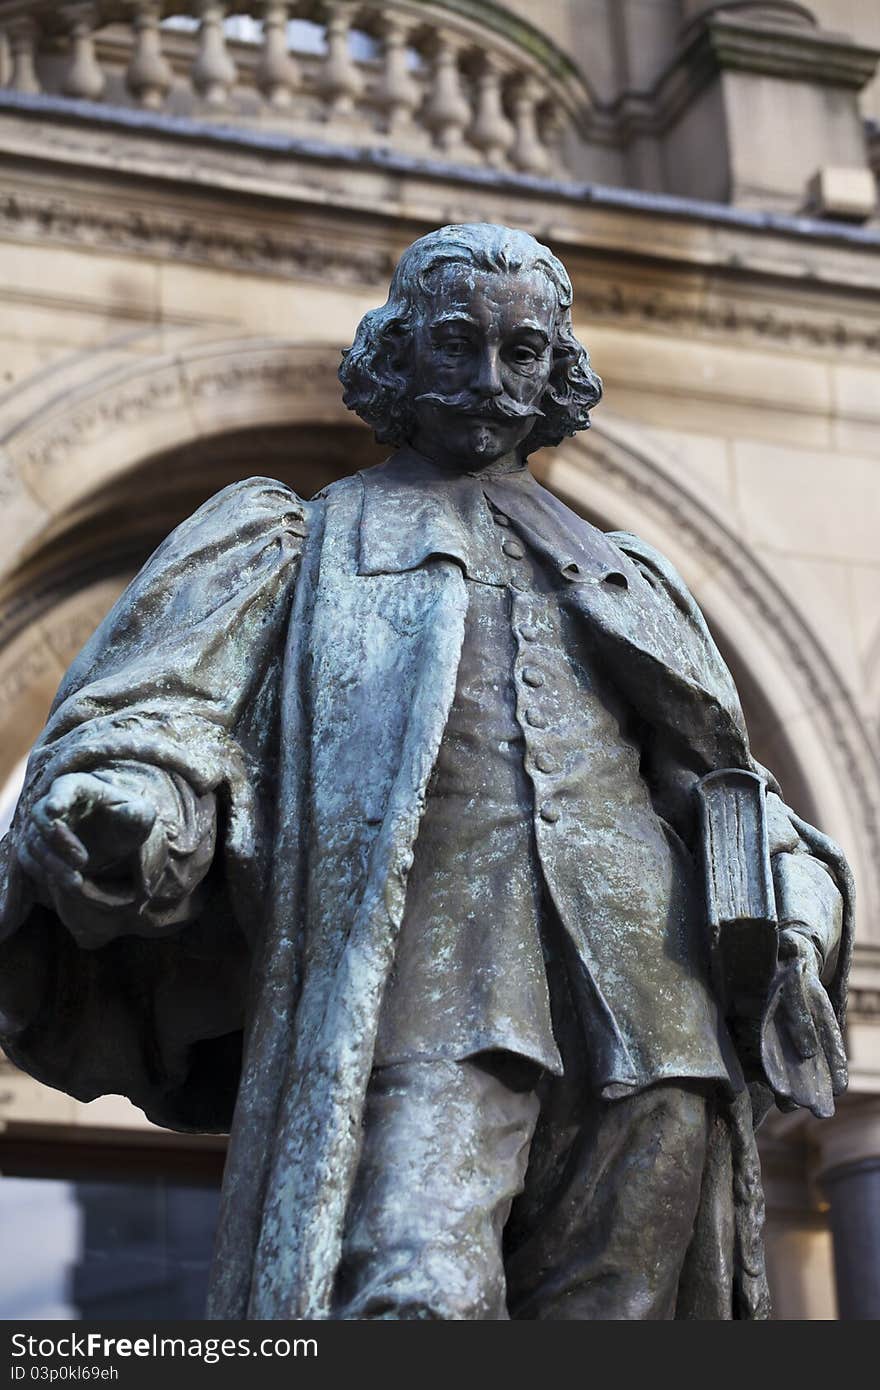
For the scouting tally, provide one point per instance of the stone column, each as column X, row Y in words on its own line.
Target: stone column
column 849, row 1175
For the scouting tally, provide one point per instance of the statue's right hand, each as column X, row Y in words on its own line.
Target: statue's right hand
column 84, row 827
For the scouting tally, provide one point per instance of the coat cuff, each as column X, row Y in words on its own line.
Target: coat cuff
column 808, row 901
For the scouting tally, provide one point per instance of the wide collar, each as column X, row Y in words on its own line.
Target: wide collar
column 414, row 511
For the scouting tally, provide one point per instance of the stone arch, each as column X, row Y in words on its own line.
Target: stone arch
column 809, row 719
column 68, row 436
column 103, row 457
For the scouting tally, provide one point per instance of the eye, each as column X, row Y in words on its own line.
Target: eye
column 455, row 347
column 523, row 356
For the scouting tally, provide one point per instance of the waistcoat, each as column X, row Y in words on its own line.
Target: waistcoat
column 537, row 806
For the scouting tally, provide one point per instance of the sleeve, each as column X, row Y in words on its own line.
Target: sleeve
column 182, row 675
column 809, row 900
column 179, row 689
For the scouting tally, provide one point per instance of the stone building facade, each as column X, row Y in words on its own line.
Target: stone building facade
column 197, row 206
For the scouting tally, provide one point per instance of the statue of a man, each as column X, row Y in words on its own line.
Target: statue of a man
column 390, row 821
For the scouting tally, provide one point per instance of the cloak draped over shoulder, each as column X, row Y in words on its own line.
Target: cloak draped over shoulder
column 183, row 675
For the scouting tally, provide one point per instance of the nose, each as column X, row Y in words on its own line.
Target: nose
column 488, row 382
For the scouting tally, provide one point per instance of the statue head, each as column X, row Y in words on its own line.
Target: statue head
column 473, row 355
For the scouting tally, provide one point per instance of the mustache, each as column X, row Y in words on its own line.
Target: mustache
column 491, row 407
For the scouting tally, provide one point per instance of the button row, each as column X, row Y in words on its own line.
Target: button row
column 532, row 676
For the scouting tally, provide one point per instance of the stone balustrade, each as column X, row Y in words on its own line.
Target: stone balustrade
column 431, row 79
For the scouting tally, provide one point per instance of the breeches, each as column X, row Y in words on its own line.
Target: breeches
column 478, row 1199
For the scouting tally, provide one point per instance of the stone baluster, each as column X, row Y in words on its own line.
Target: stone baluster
column 277, row 74
column 213, row 72
column 528, row 153
column 5, row 62
column 447, row 112
column 551, row 129
column 397, row 95
column 491, row 131
column 83, row 78
column 149, row 76
column 22, row 51
column 340, row 83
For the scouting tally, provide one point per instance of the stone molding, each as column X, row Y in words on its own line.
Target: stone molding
column 732, row 316
column 260, row 161
column 165, row 235
column 803, row 55
column 265, row 247
column 297, row 377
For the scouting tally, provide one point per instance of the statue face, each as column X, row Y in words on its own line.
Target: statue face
column 481, row 360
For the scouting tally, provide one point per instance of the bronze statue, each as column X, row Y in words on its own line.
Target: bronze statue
column 417, row 825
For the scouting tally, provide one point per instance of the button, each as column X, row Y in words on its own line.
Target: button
column 549, row 813
column 500, row 520
column 615, row 579
column 536, row 719
column 545, row 763
column 532, row 676
column 513, row 549
column 528, row 633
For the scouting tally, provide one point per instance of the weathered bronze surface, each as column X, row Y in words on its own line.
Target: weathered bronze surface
column 416, row 824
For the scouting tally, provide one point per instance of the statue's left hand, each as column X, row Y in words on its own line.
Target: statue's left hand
column 801, row 1046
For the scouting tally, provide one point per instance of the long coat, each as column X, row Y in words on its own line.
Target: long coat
column 298, row 661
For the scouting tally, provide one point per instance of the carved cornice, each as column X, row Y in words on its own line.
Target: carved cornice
column 803, row 55
column 253, row 246
column 171, row 236
column 732, row 317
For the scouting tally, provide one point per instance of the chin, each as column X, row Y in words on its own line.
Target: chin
column 488, row 441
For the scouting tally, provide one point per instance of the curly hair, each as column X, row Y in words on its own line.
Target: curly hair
column 375, row 384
